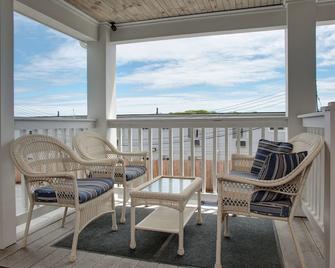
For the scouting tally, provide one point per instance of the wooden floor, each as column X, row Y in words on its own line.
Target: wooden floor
column 40, row 253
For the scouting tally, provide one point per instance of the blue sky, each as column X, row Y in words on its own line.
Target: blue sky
column 235, row 72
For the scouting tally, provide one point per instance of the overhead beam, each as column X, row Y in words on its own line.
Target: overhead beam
column 60, row 16
column 214, row 23
column 325, row 12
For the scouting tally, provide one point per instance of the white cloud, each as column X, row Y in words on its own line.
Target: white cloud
column 326, row 85
column 224, row 60
column 325, row 46
column 62, row 66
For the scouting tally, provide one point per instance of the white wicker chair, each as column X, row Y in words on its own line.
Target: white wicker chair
column 92, row 146
column 235, row 192
column 48, row 164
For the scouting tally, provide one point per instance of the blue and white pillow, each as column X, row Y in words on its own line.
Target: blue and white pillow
column 275, row 167
column 266, row 147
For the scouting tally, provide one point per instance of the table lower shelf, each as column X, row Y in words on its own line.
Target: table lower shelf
column 165, row 219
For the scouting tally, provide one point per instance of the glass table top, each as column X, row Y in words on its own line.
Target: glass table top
column 168, row 185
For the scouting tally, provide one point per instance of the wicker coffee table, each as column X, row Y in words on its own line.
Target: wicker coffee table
column 172, row 195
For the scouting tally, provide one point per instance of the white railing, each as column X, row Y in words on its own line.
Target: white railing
column 59, row 127
column 318, row 200
column 195, row 145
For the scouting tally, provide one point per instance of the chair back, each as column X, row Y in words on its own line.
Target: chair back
column 42, row 154
column 90, row 145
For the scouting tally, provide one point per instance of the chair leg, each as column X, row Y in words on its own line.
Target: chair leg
column 123, row 211
column 26, row 231
column 73, row 255
column 218, row 238
column 114, row 224
column 64, row 217
column 296, row 243
column 226, row 226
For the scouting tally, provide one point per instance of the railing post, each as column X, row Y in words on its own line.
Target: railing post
column 329, row 212
column 181, row 151
column 214, row 164
column 130, row 140
column 226, row 149
column 120, row 139
column 171, row 151
column 160, row 154
column 203, row 163
column 192, row 153
column 151, row 160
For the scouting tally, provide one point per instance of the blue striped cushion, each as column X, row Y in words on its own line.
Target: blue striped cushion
column 275, row 167
column 133, row 172
column 88, row 189
column 265, row 148
column 276, row 209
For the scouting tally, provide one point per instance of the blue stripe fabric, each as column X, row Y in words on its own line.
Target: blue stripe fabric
column 275, row 209
column 266, row 147
column 88, row 189
column 133, row 172
column 275, row 167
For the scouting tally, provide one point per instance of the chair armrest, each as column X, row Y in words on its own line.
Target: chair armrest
column 255, row 182
column 136, row 159
column 241, row 162
column 103, row 167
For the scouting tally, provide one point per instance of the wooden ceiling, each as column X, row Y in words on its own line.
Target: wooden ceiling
column 121, row 11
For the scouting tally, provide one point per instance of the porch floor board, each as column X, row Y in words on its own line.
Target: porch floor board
column 40, row 253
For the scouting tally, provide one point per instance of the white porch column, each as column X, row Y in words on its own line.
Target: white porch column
column 101, row 68
column 300, row 61
column 7, row 182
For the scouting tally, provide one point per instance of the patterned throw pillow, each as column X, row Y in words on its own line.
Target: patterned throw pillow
column 266, row 147
column 275, row 167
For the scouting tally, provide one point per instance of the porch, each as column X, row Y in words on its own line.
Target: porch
column 208, row 139
column 40, row 251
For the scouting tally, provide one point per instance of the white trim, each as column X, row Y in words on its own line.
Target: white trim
column 208, row 122
column 58, row 16
column 53, row 123
column 198, row 25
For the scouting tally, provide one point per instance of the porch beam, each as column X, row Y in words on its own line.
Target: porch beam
column 204, row 24
column 60, row 16
column 101, row 68
column 300, row 62
column 7, row 182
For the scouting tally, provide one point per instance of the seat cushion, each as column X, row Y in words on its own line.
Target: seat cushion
column 88, row 189
column 133, row 172
column 266, row 147
column 277, row 166
column 276, row 209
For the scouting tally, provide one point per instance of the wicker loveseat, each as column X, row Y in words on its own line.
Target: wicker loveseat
column 131, row 174
column 235, row 190
column 52, row 172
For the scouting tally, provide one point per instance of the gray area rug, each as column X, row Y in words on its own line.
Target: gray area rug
column 252, row 242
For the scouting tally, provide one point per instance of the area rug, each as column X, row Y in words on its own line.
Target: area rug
column 252, row 242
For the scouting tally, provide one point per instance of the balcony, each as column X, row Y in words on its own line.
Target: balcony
column 178, row 145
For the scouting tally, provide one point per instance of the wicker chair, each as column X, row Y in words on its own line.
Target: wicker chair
column 51, row 172
column 92, row 146
column 236, row 189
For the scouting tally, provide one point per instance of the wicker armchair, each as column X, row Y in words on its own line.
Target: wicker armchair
column 51, row 172
column 235, row 190
column 92, row 146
